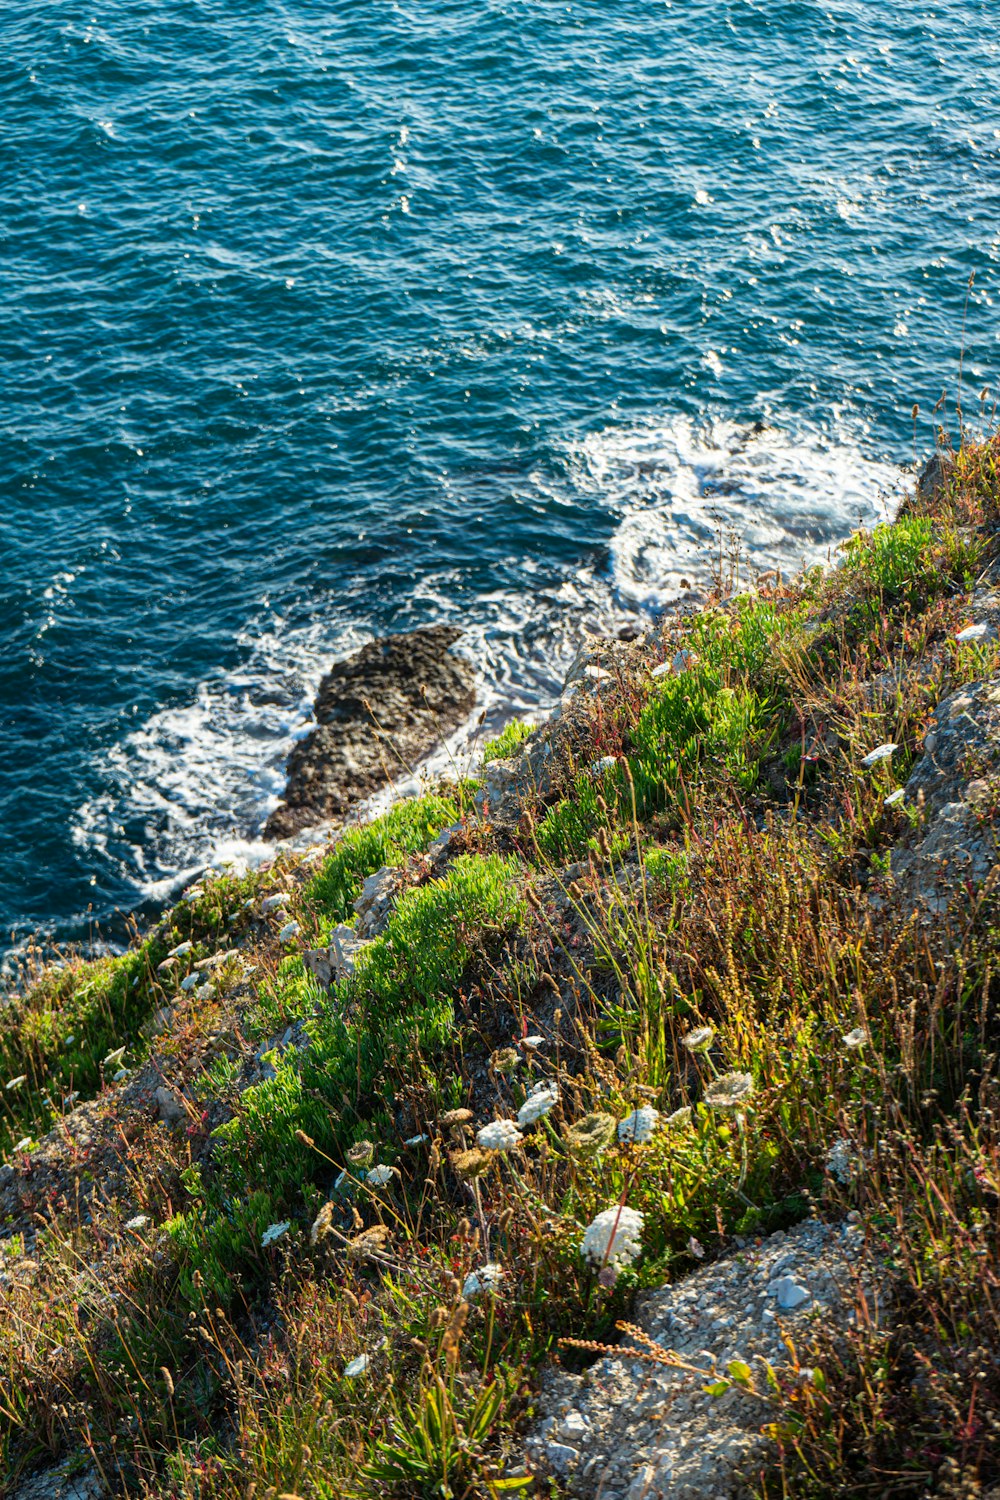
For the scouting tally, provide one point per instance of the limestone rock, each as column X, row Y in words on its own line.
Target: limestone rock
column 61, row 1483
column 645, row 1431
column 170, row 1106
column 374, row 905
column 953, row 787
column 337, row 961
column 507, row 783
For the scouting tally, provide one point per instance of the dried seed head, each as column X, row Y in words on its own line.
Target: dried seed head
column 369, row 1242
column 468, row 1165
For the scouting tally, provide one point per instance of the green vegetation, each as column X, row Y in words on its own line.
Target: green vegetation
column 335, row 1267
column 405, row 829
column 508, row 741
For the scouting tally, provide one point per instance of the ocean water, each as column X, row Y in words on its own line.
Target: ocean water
column 324, row 321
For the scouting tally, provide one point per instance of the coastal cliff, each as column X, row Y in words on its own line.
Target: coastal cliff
column 618, row 1122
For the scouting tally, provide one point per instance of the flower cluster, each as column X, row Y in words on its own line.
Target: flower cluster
column 731, row 1091
column 499, row 1135
column 539, row 1102
column 613, row 1239
column 488, row 1278
column 637, row 1128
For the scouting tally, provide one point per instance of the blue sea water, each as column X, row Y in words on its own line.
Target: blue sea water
column 323, row 321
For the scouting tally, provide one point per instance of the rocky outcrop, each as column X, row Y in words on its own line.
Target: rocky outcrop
column 377, row 714
column 954, row 789
column 632, row 1428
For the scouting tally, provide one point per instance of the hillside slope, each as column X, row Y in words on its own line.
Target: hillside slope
column 305, row 1192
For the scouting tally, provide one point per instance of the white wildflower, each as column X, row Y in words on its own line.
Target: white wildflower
column 880, row 753
column 417, row 1140
column 731, row 1091
column 190, row 982
column 380, row 1177
column 23, row 1144
column 205, row 991
column 357, row 1366
column 15, row 1083
column 855, row 1039
column 499, row 1135
column 538, row 1103
column 613, row 1239
column 181, row 951
column 679, row 1119
column 166, row 966
column 637, row 1128
column 698, row 1040
column 114, row 1058
column 274, row 1232
column 488, row 1278
column 290, row 930
column 606, row 763
column 271, row 903
column 532, row 1042
column 139, row 1222
column 195, row 893
column 895, row 797
column 981, row 632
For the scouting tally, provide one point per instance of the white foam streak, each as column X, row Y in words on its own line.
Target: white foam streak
column 680, row 488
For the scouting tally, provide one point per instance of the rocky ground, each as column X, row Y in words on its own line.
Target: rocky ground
column 644, row 1423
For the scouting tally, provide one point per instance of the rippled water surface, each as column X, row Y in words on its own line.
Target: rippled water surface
column 323, row 321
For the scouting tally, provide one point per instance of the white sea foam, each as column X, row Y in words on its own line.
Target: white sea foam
column 680, row 488
column 193, row 786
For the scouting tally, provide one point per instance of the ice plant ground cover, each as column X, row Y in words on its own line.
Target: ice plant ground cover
column 321, row 1241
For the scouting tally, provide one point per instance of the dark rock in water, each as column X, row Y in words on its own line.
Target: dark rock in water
column 378, row 713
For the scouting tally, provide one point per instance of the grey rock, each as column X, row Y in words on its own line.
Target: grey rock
column 953, row 846
column 651, row 1432
column 327, row 965
column 170, row 1105
column 561, row 1456
column 61, row 1483
column 508, row 783
column 789, row 1292
column 374, row 905
column 445, row 847
column 934, row 476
